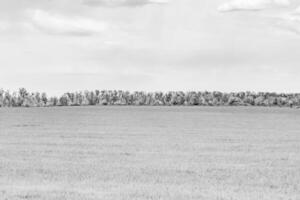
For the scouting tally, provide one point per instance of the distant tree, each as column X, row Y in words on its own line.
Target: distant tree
column 14, row 100
column 23, row 92
column 44, row 99
column 234, row 100
column 1, row 97
column 53, row 101
column 30, row 101
column 65, row 100
column 259, row 101
column 7, row 99
column 194, row 99
column 114, row 97
column 22, row 95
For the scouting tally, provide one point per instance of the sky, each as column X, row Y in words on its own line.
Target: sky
column 56, row 46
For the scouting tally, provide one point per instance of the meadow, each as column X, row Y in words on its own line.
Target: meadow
column 143, row 153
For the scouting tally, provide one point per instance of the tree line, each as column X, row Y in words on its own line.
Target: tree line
column 23, row 98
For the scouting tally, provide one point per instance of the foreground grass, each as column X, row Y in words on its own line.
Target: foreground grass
column 149, row 153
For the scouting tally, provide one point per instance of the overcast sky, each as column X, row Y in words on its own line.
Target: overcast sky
column 226, row 45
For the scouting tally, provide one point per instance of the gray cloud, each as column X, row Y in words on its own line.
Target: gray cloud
column 60, row 24
column 291, row 22
column 251, row 5
column 119, row 3
column 3, row 26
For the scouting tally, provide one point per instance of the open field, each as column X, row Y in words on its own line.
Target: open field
column 173, row 153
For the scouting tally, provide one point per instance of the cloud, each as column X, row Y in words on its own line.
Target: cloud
column 3, row 26
column 297, row 11
column 118, row 3
column 291, row 21
column 60, row 24
column 251, row 5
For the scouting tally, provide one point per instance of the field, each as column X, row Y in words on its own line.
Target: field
column 168, row 153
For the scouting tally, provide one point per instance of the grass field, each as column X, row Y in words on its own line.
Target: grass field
column 168, row 153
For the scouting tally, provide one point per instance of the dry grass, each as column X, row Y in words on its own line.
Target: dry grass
column 111, row 153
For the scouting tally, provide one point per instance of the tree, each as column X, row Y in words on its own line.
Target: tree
column 1, row 97
column 109, row 97
column 44, row 99
column 65, row 100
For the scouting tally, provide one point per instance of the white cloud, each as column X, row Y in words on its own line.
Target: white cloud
column 297, row 11
column 3, row 26
column 60, row 24
column 291, row 21
column 236, row 5
column 116, row 3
